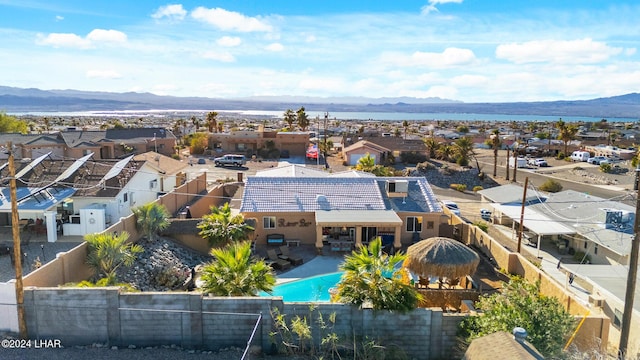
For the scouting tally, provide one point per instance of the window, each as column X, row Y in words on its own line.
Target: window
column 153, row 184
column 241, row 147
column 585, row 245
column 617, row 318
column 595, row 249
column 430, row 225
column 269, row 222
column 414, row 223
column 125, row 197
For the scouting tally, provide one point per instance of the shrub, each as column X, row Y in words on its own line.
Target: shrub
column 560, row 156
column 482, row 225
column 175, row 156
column 462, row 161
column 551, row 186
column 605, row 168
column 459, row 187
column 477, row 188
column 581, row 257
column 412, row 157
column 424, row 166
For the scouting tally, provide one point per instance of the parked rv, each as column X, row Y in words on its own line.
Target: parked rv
column 580, row 156
column 520, row 161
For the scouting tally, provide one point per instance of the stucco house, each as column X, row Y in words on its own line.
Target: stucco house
column 251, row 143
column 76, row 197
column 331, row 208
column 104, row 144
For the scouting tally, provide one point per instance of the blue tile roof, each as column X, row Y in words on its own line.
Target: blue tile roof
column 308, row 194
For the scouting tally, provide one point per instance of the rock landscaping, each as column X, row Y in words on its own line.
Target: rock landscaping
column 163, row 266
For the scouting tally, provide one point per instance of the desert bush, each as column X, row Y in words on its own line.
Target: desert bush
column 582, row 257
column 560, row 156
column 477, row 188
column 482, row 225
column 412, row 157
column 551, row 186
column 424, row 166
column 605, row 168
column 459, row 187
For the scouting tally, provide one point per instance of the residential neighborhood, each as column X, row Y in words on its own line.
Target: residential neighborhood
column 307, row 214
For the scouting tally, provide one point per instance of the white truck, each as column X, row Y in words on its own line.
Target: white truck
column 520, row 161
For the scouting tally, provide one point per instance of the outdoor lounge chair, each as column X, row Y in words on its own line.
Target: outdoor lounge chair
column 277, row 262
column 286, row 255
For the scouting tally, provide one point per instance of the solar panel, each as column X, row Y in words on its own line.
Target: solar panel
column 73, row 168
column 33, row 164
column 116, row 169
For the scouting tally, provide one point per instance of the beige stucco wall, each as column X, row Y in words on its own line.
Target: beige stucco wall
column 293, row 225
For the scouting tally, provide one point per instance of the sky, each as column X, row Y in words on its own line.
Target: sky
column 466, row 50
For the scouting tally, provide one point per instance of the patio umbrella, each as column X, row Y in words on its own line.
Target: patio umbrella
column 441, row 257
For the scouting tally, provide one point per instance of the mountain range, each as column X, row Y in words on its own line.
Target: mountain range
column 17, row 100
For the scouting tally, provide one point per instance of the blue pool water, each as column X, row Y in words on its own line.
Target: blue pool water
column 315, row 288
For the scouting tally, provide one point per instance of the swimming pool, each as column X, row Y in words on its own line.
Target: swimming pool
column 311, row 289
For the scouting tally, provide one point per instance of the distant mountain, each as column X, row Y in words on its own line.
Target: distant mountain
column 35, row 100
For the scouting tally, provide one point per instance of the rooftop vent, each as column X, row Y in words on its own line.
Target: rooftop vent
column 519, row 334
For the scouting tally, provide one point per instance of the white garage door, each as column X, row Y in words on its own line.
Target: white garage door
column 355, row 157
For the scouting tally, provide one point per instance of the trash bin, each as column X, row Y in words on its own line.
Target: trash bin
column 239, row 177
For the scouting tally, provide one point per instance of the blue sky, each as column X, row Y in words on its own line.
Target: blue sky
column 467, row 50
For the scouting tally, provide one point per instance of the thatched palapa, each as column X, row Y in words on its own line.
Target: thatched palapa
column 441, row 257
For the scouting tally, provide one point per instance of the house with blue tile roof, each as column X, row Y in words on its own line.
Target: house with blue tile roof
column 328, row 209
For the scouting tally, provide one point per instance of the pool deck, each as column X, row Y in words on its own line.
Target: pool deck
column 313, row 264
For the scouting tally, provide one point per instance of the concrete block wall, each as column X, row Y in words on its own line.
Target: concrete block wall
column 75, row 316
column 8, row 313
column 192, row 320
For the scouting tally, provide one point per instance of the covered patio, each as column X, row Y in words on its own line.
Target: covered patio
column 537, row 225
column 349, row 228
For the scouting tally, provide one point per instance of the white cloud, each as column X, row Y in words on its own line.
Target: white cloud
column 59, row 18
column 172, row 12
column 557, row 51
column 229, row 41
column 230, row 20
column 450, row 57
column 100, row 35
column 310, row 39
column 431, row 6
column 219, row 56
column 103, row 74
column 275, row 47
column 59, row 40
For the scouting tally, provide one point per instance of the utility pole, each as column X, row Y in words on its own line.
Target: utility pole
column 17, row 253
column 507, row 178
column 515, row 164
column 524, row 201
column 631, row 281
column 324, row 139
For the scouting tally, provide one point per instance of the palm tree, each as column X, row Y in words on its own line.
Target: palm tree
column 463, row 149
column 444, row 152
column 495, row 145
column 366, row 163
column 234, row 272
column 212, row 121
column 405, row 125
column 151, row 218
column 374, row 278
column 108, row 252
column 432, row 146
column 220, row 227
column 289, row 118
column 302, row 118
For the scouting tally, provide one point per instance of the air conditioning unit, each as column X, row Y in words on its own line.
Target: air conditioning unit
column 397, row 188
column 597, row 301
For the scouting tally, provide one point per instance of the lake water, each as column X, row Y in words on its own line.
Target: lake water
column 344, row 115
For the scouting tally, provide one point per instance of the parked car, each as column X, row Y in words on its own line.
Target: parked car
column 611, row 160
column 596, row 160
column 452, row 206
column 538, row 162
column 485, row 214
column 230, row 160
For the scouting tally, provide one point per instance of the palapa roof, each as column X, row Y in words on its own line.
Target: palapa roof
column 442, row 257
